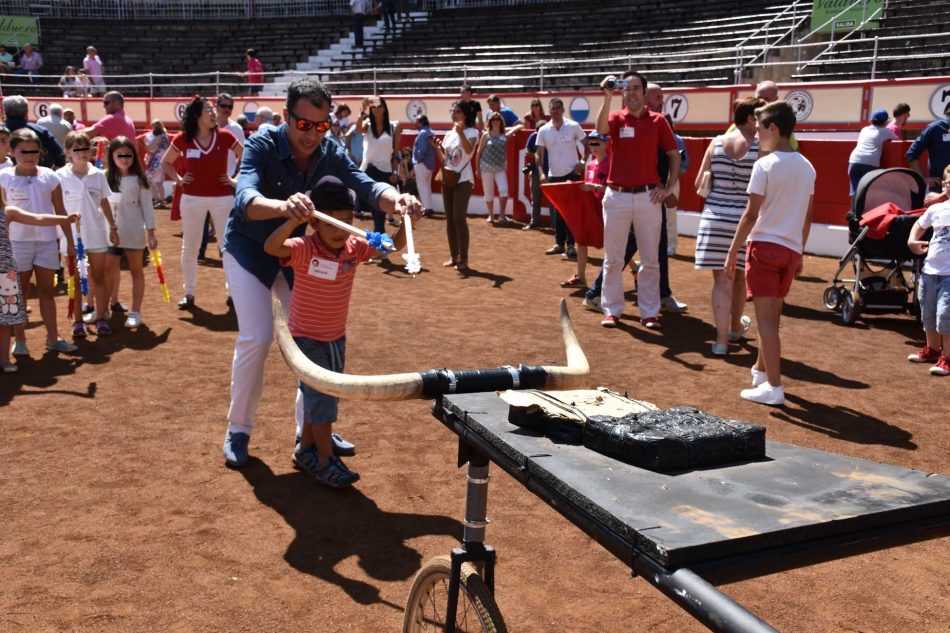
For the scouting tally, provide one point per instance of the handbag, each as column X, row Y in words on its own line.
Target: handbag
column 705, row 185
column 449, row 178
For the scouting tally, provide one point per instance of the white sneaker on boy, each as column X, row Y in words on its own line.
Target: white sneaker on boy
column 765, row 394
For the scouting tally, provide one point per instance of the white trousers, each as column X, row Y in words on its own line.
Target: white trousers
column 193, row 211
column 252, row 303
column 671, row 229
column 492, row 180
column 424, row 184
column 621, row 211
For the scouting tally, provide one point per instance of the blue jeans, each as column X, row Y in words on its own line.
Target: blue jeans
column 935, row 303
column 379, row 218
column 318, row 407
column 856, row 172
column 664, row 259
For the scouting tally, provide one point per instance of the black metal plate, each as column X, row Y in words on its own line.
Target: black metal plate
column 794, row 496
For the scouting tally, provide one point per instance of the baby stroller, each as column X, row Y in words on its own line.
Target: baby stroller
column 885, row 272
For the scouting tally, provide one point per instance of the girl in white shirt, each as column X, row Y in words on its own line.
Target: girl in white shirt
column 36, row 248
column 86, row 191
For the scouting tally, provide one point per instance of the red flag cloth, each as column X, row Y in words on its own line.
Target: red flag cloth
column 880, row 217
column 580, row 209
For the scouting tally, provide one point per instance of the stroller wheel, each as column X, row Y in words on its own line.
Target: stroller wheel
column 831, row 298
column 850, row 307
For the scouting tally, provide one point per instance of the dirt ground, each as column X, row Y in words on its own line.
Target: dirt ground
column 119, row 515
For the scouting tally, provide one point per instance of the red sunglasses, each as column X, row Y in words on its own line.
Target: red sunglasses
column 305, row 125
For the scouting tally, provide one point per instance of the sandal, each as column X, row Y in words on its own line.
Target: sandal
column 449, row 262
column 335, row 474
column 102, row 328
column 9, row 368
column 574, row 282
column 79, row 329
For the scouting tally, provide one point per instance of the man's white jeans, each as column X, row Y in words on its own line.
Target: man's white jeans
column 193, row 211
column 621, row 211
column 252, row 302
column 424, row 184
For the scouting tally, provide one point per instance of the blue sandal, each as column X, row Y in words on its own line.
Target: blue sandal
column 334, row 474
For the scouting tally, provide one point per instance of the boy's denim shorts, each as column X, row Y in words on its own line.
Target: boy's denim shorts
column 935, row 303
column 318, row 407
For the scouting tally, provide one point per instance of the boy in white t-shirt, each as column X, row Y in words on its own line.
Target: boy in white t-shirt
column 934, row 289
column 776, row 221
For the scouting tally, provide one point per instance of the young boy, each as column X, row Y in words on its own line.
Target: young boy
column 934, row 283
column 324, row 264
column 776, row 221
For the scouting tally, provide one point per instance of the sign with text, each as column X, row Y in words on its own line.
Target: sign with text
column 825, row 18
column 17, row 30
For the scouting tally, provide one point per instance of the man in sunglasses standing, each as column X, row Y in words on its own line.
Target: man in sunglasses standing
column 279, row 166
column 115, row 122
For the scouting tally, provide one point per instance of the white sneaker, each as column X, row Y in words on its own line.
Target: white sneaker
column 746, row 322
column 92, row 317
column 765, row 394
column 133, row 321
column 758, row 377
column 670, row 304
column 592, row 304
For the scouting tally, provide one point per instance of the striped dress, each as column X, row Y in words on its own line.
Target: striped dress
column 724, row 207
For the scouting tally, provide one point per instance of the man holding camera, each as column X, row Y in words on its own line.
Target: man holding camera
column 634, row 195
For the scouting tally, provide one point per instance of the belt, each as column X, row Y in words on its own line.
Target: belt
column 640, row 189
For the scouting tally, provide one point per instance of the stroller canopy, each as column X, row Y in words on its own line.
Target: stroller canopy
column 904, row 187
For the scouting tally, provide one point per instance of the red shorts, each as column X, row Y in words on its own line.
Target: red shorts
column 770, row 269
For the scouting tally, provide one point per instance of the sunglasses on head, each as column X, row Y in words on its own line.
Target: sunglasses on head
column 305, row 125
column 124, row 156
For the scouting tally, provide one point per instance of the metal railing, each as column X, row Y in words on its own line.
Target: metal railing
column 793, row 9
column 534, row 75
column 865, row 18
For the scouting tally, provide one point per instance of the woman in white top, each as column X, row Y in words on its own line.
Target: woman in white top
column 86, row 192
column 36, row 248
column 455, row 152
column 69, row 83
column 379, row 160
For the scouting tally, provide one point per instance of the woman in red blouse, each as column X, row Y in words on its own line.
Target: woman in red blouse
column 206, row 185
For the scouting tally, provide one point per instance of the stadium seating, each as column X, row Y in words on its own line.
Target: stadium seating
column 902, row 21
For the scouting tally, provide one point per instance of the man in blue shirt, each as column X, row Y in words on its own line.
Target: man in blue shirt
column 423, row 161
column 494, row 105
column 278, row 167
column 935, row 139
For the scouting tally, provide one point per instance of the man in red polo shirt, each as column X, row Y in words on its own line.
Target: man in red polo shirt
column 634, row 195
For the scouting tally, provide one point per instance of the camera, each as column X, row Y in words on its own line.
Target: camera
column 617, row 83
column 527, row 169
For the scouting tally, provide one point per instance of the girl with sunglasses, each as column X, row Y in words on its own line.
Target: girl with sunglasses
column 86, row 192
column 207, row 186
column 13, row 313
column 131, row 201
column 36, row 190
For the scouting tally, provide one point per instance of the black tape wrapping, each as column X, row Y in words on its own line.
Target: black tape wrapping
column 674, row 439
column 437, row 382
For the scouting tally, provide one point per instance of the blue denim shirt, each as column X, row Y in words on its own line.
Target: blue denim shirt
column 268, row 169
column 936, row 140
column 422, row 150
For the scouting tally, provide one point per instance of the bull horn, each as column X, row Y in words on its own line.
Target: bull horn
column 411, row 386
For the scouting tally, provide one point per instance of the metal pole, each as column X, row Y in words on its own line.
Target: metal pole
column 151, row 86
column 465, row 74
column 541, row 78
column 217, row 82
column 874, row 58
column 375, row 91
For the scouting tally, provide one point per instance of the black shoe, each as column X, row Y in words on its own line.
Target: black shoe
column 571, row 253
column 119, row 308
column 186, row 302
column 529, row 226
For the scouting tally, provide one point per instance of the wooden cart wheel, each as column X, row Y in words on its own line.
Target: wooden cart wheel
column 428, row 598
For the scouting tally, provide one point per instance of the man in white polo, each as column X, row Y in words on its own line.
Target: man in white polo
column 561, row 140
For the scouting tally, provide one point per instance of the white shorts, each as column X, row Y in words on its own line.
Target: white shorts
column 32, row 253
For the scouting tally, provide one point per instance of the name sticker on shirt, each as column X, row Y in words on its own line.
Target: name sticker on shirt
column 946, row 138
column 19, row 193
column 627, row 132
column 193, row 153
column 323, row 268
column 72, row 195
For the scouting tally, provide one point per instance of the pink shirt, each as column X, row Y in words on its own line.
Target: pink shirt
column 893, row 127
column 113, row 125
column 323, row 282
column 255, row 70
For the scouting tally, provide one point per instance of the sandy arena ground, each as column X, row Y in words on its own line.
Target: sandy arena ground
column 119, row 515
